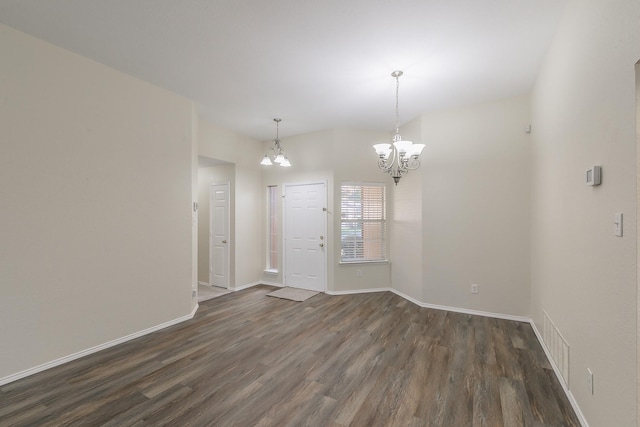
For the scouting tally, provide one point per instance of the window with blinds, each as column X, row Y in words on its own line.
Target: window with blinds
column 363, row 220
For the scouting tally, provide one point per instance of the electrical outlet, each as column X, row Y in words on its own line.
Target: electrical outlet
column 589, row 380
column 359, row 273
column 475, row 289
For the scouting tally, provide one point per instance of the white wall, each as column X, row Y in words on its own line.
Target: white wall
column 583, row 275
column 475, row 207
column 246, row 222
column 95, row 201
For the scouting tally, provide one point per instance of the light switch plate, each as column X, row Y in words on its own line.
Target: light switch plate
column 617, row 222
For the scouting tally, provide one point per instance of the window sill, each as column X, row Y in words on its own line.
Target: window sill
column 383, row 261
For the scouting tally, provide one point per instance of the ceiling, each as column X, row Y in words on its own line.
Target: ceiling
column 316, row 64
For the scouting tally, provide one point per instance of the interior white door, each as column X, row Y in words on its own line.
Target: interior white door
column 219, row 236
column 305, row 226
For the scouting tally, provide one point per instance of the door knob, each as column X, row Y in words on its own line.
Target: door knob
column 322, row 245
column 224, row 241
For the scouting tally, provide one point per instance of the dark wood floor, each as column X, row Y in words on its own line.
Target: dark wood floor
column 355, row 360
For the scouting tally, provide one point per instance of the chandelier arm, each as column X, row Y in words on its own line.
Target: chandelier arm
column 382, row 164
column 387, row 164
column 413, row 164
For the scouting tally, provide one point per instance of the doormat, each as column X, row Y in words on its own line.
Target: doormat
column 293, row 294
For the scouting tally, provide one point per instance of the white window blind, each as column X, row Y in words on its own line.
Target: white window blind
column 363, row 221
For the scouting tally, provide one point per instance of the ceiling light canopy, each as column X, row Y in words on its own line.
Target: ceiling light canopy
column 278, row 152
column 401, row 156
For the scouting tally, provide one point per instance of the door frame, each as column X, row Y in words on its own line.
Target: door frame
column 228, row 226
column 324, row 226
column 637, row 114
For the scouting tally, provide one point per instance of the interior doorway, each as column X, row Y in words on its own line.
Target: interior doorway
column 219, row 243
column 212, row 171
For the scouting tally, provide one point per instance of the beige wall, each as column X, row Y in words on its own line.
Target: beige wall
column 206, row 177
column 95, row 201
column 475, row 207
column 582, row 274
column 355, row 160
column 246, row 221
column 406, row 221
column 468, row 205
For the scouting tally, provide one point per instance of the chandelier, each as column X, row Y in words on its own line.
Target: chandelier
column 278, row 152
column 402, row 156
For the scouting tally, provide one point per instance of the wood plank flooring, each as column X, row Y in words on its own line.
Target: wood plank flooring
column 352, row 360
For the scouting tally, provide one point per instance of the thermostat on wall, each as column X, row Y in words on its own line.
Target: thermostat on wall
column 592, row 176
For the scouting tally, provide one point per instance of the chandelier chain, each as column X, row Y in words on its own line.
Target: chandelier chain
column 397, row 112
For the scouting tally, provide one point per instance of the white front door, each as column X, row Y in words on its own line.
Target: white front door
column 305, row 225
column 219, row 236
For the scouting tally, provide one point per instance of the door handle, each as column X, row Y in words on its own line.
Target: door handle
column 224, row 241
column 322, row 245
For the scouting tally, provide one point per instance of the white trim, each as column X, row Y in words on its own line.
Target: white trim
column 245, row 286
column 95, row 349
column 379, row 261
column 556, row 370
column 269, row 283
column 204, row 284
column 359, row 291
column 463, row 310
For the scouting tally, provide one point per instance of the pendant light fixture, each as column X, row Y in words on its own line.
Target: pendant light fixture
column 278, row 152
column 401, row 156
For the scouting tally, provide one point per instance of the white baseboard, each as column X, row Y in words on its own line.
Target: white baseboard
column 266, row 282
column 463, row 310
column 358, row 291
column 434, row 306
column 204, row 284
column 556, row 370
column 245, row 286
column 95, row 349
